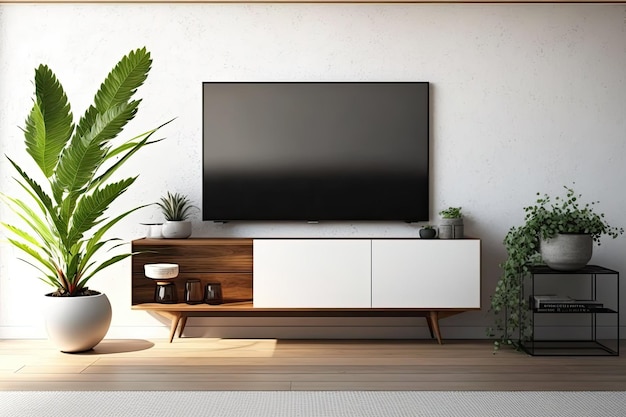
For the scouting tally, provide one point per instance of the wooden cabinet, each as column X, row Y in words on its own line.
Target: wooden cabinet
column 316, row 277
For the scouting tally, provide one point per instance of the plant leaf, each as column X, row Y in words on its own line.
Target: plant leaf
column 49, row 124
column 113, row 260
column 91, row 207
column 79, row 163
column 33, row 254
column 123, row 80
column 137, row 145
column 44, row 202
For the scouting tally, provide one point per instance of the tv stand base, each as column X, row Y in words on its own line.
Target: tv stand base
column 179, row 313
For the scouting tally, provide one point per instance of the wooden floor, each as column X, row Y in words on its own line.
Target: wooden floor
column 221, row 364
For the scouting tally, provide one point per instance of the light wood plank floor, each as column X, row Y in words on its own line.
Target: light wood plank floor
column 246, row 364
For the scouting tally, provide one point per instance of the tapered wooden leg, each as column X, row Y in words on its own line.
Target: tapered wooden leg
column 175, row 318
column 430, row 327
column 433, row 324
column 183, row 322
column 174, row 325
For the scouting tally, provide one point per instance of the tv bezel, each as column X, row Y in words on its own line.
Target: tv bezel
column 420, row 217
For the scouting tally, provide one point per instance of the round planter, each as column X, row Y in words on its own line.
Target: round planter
column 428, row 233
column 176, row 230
column 76, row 324
column 451, row 229
column 567, row 252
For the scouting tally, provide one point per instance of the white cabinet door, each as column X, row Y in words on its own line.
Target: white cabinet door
column 425, row 273
column 312, row 273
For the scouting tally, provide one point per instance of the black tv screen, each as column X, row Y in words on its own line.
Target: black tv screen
column 315, row 151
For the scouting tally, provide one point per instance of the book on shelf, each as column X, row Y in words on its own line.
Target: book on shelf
column 552, row 301
column 571, row 309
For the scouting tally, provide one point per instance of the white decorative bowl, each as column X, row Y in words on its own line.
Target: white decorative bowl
column 161, row 271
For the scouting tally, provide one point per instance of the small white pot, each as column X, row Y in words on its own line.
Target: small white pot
column 176, row 230
column 77, row 324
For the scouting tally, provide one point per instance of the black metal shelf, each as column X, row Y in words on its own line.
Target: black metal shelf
column 595, row 331
column 569, row 348
column 589, row 269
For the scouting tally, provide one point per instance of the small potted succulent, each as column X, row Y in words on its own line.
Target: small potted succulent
column 451, row 225
column 176, row 208
column 428, row 232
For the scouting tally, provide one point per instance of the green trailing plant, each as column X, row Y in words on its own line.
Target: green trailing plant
column 543, row 220
column 175, row 207
column 65, row 219
column 451, row 213
column 427, row 227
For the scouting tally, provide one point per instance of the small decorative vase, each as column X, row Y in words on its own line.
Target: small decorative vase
column 428, row 233
column 77, row 324
column 451, row 228
column 176, row 229
column 213, row 293
column 567, row 251
column 194, row 294
column 154, row 230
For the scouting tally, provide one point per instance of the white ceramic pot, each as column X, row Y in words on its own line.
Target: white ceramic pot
column 567, row 251
column 77, row 324
column 154, row 230
column 176, row 230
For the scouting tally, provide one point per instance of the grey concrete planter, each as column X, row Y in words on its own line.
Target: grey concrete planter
column 567, row 252
column 451, row 228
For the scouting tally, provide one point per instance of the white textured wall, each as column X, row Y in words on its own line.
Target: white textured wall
column 525, row 98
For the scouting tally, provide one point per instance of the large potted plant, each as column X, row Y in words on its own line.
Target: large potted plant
column 547, row 223
column 64, row 220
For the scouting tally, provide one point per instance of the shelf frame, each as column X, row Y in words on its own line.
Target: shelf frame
column 593, row 346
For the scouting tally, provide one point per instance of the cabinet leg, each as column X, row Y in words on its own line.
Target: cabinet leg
column 183, row 322
column 433, row 325
column 430, row 326
column 174, row 325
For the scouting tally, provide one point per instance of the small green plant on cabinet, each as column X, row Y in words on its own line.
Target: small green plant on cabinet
column 175, row 207
column 451, row 213
column 544, row 219
column 427, row 227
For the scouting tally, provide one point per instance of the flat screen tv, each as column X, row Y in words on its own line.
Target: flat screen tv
column 315, row 151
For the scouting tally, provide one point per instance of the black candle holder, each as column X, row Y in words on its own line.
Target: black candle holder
column 213, row 293
column 165, row 293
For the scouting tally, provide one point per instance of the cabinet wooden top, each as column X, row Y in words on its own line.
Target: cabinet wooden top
column 205, row 241
column 201, row 241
